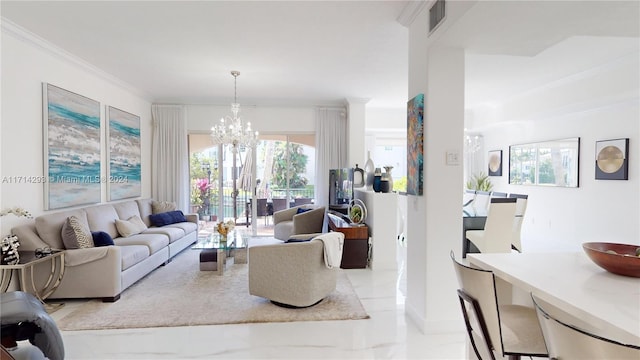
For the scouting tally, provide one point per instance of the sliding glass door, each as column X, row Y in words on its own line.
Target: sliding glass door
column 285, row 174
column 221, row 179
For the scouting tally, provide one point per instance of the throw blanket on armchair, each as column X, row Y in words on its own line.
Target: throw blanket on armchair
column 333, row 242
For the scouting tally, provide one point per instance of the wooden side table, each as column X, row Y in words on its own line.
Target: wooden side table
column 26, row 274
column 355, row 253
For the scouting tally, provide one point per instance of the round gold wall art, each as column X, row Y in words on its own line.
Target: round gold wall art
column 610, row 159
column 494, row 162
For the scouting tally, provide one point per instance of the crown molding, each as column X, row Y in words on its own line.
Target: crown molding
column 410, row 12
column 349, row 101
column 10, row 28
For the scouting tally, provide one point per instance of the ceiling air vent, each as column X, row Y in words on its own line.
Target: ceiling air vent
column 436, row 14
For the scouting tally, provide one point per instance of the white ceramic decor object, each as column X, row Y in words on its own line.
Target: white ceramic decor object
column 369, row 171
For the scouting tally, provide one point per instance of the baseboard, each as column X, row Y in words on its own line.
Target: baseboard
column 414, row 316
column 433, row 326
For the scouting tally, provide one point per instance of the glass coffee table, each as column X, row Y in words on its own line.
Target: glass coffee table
column 216, row 253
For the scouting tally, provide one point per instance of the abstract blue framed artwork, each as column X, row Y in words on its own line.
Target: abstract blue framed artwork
column 123, row 145
column 415, row 145
column 71, row 149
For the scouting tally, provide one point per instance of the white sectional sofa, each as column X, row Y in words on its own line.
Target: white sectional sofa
column 106, row 271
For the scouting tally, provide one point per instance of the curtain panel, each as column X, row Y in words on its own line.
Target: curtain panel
column 331, row 148
column 170, row 158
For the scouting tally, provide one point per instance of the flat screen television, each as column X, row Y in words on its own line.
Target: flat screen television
column 340, row 189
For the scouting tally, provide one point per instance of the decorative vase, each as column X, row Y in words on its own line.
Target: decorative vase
column 387, row 175
column 377, row 180
column 384, row 185
column 369, row 171
column 358, row 177
column 10, row 254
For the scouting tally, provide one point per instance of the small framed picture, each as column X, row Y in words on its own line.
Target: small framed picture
column 495, row 163
column 612, row 159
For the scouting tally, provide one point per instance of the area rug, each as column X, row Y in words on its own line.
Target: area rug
column 179, row 294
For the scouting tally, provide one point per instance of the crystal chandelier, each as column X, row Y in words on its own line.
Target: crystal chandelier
column 231, row 130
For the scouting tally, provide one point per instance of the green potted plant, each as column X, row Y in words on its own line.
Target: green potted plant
column 479, row 182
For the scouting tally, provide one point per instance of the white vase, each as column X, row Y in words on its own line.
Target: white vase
column 369, row 171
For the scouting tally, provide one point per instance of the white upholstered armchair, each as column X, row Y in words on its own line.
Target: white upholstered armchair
column 291, row 222
column 292, row 274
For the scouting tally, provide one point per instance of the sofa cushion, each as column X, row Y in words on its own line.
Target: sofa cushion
column 187, row 227
column 131, row 226
column 76, row 234
column 174, row 233
column 133, row 254
column 103, row 218
column 166, row 218
column 49, row 226
column 158, row 207
column 302, row 210
column 101, row 238
column 127, row 209
column 144, row 206
column 154, row 242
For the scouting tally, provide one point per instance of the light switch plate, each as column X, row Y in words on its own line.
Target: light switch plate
column 452, row 158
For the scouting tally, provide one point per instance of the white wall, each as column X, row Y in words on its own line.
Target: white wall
column 26, row 63
column 601, row 104
column 379, row 123
column 265, row 119
column 386, row 119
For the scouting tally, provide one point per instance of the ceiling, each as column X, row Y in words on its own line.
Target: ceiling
column 288, row 52
column 323, row 52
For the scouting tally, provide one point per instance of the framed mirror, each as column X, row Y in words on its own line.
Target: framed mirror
column 545, row 163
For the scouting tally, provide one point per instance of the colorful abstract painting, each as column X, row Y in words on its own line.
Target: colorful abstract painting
column 415, row 138
column 72, row 148
column 123, row 171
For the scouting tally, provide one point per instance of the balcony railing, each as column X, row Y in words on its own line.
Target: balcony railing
column 243, row 199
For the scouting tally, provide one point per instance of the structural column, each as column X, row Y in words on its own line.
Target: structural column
column 356, row 126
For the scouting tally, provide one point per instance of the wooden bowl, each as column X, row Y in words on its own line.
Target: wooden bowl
column 619, row 259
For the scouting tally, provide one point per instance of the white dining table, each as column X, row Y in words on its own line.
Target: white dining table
column 570, row 281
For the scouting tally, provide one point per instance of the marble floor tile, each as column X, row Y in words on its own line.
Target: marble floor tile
column 387, row 334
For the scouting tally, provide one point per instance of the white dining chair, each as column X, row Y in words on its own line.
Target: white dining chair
column 481, row 201
column 498, row 229
column 521, row 209
column 567, row 341
column 493, row 328
column 468, row 197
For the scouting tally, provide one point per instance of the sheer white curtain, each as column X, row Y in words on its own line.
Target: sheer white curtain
column 331, row 148
column 170, row 158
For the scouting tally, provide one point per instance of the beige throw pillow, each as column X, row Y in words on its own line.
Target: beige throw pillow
column 76, row 234
column 134, row 225
column 158, row 207
column 135, row 219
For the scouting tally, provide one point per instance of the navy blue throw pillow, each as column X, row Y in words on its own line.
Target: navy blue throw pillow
column 294, row 240
column 166, row 218
column 101, row 238
column 301, row 210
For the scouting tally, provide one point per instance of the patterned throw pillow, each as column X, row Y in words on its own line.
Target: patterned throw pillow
column 158, row 207
column 76, row 234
